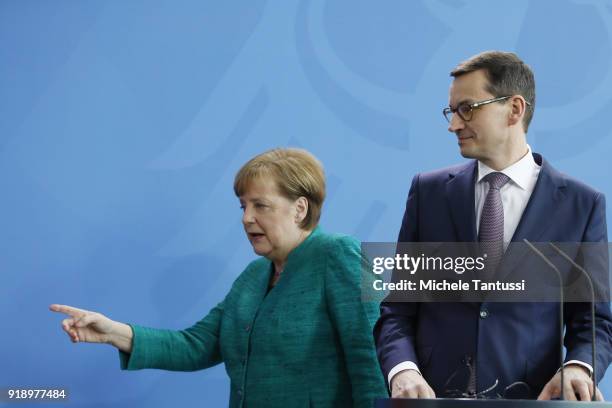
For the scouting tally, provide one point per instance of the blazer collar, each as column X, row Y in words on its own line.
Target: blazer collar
column 537, row 217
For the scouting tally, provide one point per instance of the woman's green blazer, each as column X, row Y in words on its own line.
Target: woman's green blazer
column 307, row 342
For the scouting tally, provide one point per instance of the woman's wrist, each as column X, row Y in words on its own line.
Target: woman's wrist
column 121, row 337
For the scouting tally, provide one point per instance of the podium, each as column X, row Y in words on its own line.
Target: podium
column 482, row 403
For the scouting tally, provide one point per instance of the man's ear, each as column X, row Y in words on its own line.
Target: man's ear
column 518, row 105
column 301, row 206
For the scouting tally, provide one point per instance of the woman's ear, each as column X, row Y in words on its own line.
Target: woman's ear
column 301, row 207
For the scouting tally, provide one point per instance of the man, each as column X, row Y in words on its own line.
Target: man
column 507, row 194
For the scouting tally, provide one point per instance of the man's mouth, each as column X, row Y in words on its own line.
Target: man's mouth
column 463, row 137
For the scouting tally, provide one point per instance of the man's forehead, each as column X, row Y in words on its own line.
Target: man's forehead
column 468, row 87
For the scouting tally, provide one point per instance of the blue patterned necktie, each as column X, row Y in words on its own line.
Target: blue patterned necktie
column 491, row 232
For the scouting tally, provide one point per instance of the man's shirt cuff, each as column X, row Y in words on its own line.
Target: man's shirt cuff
column 403, row 366
column 580, row 363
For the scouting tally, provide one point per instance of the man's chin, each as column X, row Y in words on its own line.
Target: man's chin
column 467, row 153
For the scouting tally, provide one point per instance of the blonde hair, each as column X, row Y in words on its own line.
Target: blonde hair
column 296, row 172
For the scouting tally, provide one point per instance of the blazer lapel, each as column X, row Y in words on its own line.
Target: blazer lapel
column 460, row 196
column 538, row 217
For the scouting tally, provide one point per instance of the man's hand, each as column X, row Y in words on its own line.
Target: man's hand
column 578, row 385
column 410, row 384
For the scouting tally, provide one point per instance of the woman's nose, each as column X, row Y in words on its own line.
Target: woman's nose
column 247, row 216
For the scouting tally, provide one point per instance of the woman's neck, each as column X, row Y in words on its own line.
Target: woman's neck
column 279, row 264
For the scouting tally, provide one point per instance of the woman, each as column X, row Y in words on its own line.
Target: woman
column 292, row 331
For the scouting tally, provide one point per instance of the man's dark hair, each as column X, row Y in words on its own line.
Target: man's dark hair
column 507, row 75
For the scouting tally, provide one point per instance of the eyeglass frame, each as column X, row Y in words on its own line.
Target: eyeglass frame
column 486, row 393
column 472, row 106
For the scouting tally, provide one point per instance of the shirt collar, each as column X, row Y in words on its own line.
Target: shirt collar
column 519, row 172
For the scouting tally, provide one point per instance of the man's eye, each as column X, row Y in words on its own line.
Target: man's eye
column 259, row 205
column 463, row 108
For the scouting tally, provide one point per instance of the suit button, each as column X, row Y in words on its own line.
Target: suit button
column 239, row 392
column 484, row 313
column 247, row 328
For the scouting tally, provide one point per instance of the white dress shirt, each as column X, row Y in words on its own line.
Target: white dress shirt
column 515, row 195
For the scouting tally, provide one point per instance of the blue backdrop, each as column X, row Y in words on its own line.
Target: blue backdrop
column 122, row 125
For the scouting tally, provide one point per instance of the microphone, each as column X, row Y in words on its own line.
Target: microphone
column 561, row 322
column 585, row 273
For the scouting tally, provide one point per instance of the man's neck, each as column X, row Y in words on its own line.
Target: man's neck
column 505, row 160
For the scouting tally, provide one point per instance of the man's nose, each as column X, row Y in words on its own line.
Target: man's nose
column 456, row 123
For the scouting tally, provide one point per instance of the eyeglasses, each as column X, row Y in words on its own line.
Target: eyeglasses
column 466, row 110
column 458, row 386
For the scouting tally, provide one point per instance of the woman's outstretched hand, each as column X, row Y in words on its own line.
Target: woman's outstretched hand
column 93, row 327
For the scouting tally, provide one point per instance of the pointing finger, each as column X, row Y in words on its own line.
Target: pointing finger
column 69, row 310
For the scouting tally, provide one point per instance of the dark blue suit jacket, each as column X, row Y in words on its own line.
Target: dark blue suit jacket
column 509, row 341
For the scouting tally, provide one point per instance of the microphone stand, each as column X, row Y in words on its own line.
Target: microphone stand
column 584, row 272
column 561, row 322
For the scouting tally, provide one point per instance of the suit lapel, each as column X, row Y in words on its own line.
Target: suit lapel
column 538, row 217
column 460, row 196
